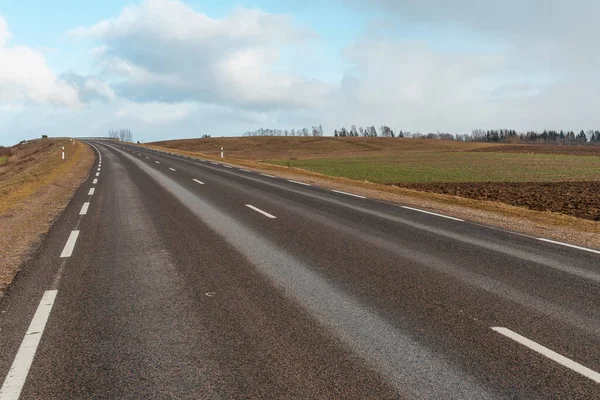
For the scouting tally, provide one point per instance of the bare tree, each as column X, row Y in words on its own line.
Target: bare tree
column 385, row 131
column 125, row 135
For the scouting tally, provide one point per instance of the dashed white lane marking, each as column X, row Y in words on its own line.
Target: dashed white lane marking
column 349, row 194
column 245, row 170
column 266, row 214
column 432, row 213
column 214, row 163
column 227, row 166
column 70, row 245
column 91, row 192
column 197, row 181
column 562, row 360
column 84, row 208
column 98, row 169
column 147, row 158
column 157, row 162
column 17, row 375
column 268, row 176
column 97, row 173
column 299, row 183
column 569, row 245
column 95, row 181
column 172, row 169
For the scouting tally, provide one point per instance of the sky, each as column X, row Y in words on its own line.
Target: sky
column 169, row 69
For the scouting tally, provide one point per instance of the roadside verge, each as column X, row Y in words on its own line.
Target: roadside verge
column 35, row 186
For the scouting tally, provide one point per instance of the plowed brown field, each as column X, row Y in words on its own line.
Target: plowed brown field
column 579, row 199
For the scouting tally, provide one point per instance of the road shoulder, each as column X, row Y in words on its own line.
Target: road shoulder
column 25, row 224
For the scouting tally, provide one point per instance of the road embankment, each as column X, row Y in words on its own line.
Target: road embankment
column 36, row 184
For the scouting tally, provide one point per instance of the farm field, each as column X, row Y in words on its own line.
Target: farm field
column 567, row 184
column 455, row 167
column 579, row 199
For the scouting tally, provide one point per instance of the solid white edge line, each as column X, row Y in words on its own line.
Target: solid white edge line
column 432, row 213
column 349, row 194
column 84, row 208
column 197, row 181
column 266, row 214
column 70, row 245
column 91, row 192
column 268, row 176
column 172, row 169
column 554, row 356
column 299, row 183
column 17, row 374
column 569, row 245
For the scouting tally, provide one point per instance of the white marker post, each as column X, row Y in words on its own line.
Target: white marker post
column 221, row 152
column 63, row 152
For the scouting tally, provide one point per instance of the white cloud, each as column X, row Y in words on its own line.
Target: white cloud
column 5, row 34
column 165, row 50
column 88, row 88
column 25, row 76
column 155, row 112
column 527, row 64
column 557, row 32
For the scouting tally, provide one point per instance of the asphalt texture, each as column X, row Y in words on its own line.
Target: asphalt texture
column 179, row 290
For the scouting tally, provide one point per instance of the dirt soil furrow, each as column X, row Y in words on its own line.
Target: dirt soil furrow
column 579, row 199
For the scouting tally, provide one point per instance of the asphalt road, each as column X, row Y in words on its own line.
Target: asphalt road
column 179, row 278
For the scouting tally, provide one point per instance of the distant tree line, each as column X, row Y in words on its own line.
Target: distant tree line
column 546, row 136
column 123, row 135
column 369, row 131
column 477, row 135
column 314, row 131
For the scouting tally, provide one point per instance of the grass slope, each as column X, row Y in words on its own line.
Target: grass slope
column 282, row 148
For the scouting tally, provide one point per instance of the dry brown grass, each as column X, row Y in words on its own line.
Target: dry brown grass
column 281, row 147
column 35, row 186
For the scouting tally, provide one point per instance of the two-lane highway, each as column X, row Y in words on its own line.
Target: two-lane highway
column 174, row 277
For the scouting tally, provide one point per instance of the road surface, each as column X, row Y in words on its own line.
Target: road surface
column 168, row 277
